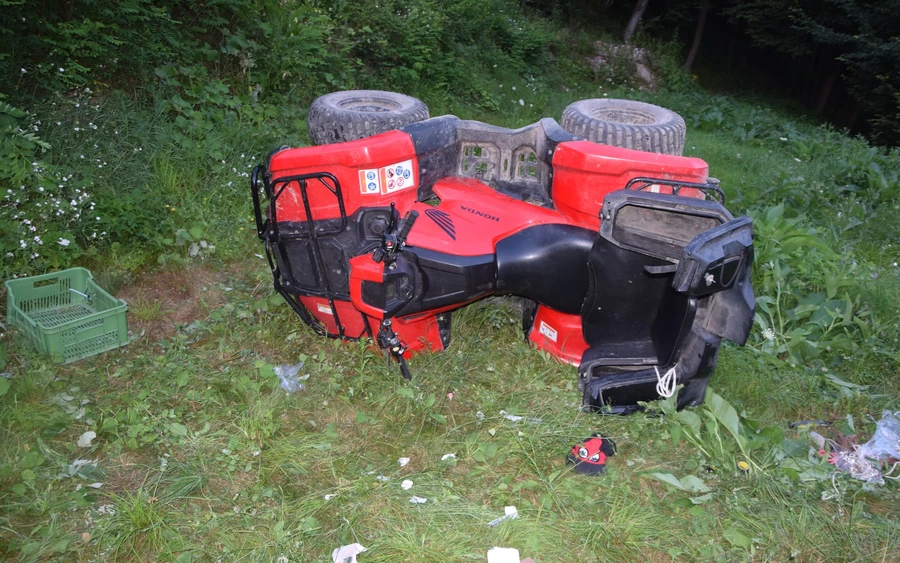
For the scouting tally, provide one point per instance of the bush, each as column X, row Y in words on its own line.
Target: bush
column 47, row 214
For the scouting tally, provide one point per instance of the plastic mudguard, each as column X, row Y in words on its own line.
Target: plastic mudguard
column 668, row 278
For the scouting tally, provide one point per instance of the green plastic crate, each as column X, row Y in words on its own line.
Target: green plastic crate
column 66, row 315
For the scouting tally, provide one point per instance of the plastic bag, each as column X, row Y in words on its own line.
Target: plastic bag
column 885, row 442
column 863, row 462
column 288, row 376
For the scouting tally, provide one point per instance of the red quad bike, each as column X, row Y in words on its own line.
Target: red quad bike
column 628, row 263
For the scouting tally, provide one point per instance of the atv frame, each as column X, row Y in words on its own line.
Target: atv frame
column 628, row 263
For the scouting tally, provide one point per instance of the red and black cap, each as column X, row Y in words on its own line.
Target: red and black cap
column 590, row 456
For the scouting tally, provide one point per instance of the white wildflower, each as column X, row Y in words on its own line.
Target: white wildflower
column 63, row 242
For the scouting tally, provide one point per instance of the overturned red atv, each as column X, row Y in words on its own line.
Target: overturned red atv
column 628, row 263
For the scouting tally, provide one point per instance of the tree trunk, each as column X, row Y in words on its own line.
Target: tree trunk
column 854, row 115
column 636, row 16
column 698, row 36
column 827, row 84
column 732, row 45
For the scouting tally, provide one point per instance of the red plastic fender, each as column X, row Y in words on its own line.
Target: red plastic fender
column 363, row 268
column 584, row 172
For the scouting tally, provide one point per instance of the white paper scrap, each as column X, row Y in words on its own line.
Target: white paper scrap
column 418, row 500
column 503, row 555
column 85, row 439
column 445, row 457
column 406, row 485
column 403, row 461
column 517, row 418
column 347, row 553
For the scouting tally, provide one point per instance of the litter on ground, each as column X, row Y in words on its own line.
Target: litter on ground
column 85, row 439
column 511, row 513
column 288, row 376
column 503, row 555
column 347, row 553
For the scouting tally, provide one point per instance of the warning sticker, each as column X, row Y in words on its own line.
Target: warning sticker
column 387, row 179
column 327, row 310
column 398, row 177
column 548, row 331
column 369, row 182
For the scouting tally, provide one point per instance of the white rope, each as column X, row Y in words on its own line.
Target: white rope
column 665, row 383
column 888, row 475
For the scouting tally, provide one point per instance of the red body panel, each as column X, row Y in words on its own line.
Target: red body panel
column 363, row 268
column 585, row 172
column 348, row 313
column 559, row 334
column 419, row 332
column 350, row 163
column 475, row 218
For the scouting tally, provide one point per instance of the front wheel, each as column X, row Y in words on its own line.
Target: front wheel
column 626, row 124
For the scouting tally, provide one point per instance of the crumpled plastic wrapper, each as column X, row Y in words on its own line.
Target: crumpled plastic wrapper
column 288, row 376
column 863, row 462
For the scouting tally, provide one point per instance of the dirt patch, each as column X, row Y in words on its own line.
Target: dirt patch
column 127, row 473
column 159, row 302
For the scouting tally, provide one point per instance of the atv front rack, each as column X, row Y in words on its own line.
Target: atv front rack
column 268, row 230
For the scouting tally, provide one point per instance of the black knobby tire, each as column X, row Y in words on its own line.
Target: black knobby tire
column 626, row 124
column 356, row 114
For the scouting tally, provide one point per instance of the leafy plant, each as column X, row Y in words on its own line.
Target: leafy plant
column 802, row 307
column 721, row 434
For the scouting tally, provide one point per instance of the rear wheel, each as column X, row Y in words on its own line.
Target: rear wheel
column 356, row 114
column 626, row 124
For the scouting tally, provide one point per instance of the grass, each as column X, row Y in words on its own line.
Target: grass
column 202, row 457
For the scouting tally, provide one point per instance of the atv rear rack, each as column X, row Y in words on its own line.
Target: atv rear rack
column 710, row 188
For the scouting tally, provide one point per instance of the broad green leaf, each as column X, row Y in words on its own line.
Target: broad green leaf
column 725, row 414
column 694, row 484
column 837, row 381
column 668, row 478
column 703, row 499
column 689, row 419
column 675, row 433
column 32, row 460
column 736, row 538
column 310, row 524
column 109, row 425
column 178, row 429
column 4, row 386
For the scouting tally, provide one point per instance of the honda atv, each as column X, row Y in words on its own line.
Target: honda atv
column 627, row 261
